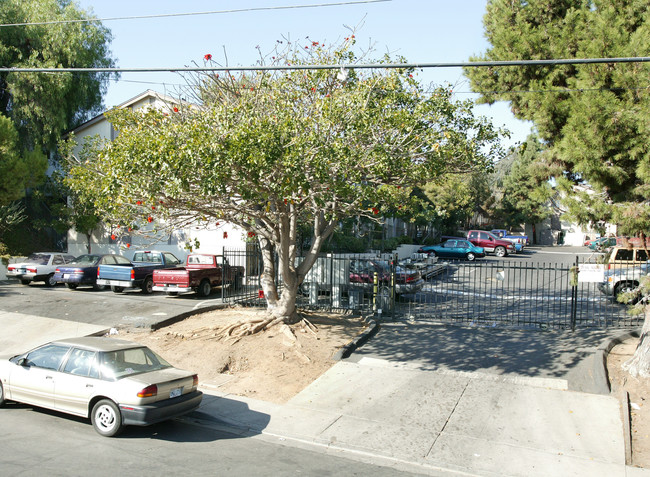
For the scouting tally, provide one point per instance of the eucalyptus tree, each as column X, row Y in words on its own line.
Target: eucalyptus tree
column 36, row 109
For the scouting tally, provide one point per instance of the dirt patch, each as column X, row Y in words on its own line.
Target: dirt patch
column 272, row 365
column 639, row 392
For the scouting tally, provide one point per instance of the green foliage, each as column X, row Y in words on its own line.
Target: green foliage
column 17, row 170
column 42, row 106
column 525, row 191
column 271, row 150
column 37, row 108
column 455, row 198
column 594, row 118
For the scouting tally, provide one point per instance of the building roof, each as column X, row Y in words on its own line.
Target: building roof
column 126, row 104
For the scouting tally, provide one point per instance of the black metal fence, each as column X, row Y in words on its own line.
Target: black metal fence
column 481, row 293
column 523, row 295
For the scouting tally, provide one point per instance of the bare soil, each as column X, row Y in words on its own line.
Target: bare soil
column 272, row 365
column 639, row 392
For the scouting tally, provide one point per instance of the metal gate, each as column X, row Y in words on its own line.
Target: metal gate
column 523, row 295
column 482, row 293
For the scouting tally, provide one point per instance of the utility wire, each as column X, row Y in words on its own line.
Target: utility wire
column 522, row 91
column 215, row 12
column 464, row 64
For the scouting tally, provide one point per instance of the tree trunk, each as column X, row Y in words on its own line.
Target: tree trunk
column 88, row 238
column 639, row 364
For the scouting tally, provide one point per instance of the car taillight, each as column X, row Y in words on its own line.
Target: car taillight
column 149, row 391
column 132, row 274
column 97, row 272
column 57, row 271
column 10, row 268
column 195, row 380
column 32, row 270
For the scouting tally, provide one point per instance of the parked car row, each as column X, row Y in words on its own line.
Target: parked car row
column 477, row 244
column 148, row 270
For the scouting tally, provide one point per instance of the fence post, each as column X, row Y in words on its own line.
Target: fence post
column 223, row 274
column 573, row 277
column 375, row 291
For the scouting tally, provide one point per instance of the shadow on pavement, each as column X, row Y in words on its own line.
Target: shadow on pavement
column 549, row 354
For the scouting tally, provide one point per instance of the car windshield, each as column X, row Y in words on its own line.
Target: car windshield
column 118, row 364
column 38, row 258
column 86, row 259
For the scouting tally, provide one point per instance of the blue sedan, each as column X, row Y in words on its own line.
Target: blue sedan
column 452, row 248
column 83, row 271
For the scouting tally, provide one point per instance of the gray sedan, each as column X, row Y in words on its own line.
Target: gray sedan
column 114, row 382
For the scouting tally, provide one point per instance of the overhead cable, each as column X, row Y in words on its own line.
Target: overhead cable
column 215, row 12
column 375, row 66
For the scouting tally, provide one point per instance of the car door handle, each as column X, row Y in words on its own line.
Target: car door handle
column 48, row 377
column 89, row 385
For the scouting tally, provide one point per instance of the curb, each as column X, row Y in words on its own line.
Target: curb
column 349, row 348
column 182, row 316
column 604, row 386
column 601, row 377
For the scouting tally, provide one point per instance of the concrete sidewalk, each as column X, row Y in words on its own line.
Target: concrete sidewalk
column 442, row 422
column 21, row 332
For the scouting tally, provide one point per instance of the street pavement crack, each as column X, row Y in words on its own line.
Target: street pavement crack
column 448, row 418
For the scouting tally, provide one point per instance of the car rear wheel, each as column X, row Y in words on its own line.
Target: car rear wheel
column 99, row 287
column 204, row 288
column 71, row 286
column 625, row 287
column 470, row 256
column 500, row 252
column 147, row 286
column 172, row 293
column 2, row 396
column 24, row 282
column 50, row 281
column 115, row 289
column 106, row 418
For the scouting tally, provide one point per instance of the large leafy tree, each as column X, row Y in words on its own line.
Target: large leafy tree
column 595, row 118
column 43, row 106
column 455, row 198
column 37, row 108
column 271, row 150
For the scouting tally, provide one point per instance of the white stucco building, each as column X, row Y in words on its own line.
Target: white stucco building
column 212, row 240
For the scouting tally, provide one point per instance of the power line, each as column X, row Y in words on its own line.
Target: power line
column 214, row 12
column 523, row 91
column 464, row 64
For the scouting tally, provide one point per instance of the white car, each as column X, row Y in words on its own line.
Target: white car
column 39, row 267
column 114, row 382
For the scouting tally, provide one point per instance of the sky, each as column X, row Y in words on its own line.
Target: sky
column 419, row 30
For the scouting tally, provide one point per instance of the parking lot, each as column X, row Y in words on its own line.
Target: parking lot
column 105, row 308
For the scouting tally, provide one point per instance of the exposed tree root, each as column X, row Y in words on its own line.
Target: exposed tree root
column 234, row 332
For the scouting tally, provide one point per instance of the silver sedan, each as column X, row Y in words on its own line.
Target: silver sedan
column 114, row 382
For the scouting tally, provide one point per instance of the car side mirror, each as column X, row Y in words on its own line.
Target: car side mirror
column 23, row 362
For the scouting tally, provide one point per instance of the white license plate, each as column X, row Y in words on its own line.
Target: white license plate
column 66, row 275
column 175, row 392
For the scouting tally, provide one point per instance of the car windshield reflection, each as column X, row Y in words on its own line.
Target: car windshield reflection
column 38, row 258
column 86, row 260
column 115, row 365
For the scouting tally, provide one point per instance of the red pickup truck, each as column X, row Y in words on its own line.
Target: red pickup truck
column 200, row 273
column 490, row 243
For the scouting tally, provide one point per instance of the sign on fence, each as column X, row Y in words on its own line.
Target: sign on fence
column 591, row 272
